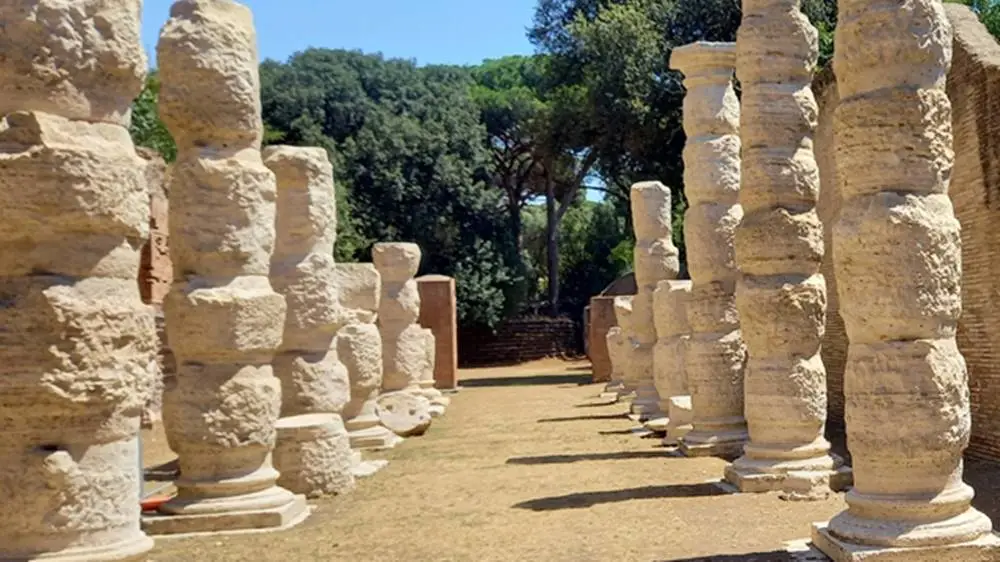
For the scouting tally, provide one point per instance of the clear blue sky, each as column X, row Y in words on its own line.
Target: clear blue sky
column 430, row 31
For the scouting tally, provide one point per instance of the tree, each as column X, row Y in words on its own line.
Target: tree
column 146, row 128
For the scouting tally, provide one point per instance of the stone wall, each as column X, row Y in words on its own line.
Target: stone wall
column 974, row 90
column 518, row 340
column 601, row 319
column 438, row 314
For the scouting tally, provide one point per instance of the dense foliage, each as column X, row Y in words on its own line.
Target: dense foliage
column 488, row 168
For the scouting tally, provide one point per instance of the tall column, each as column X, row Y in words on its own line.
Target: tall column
column 224, row 321
column 359, row 346
column 618, row 356
column 313, row 451
column 404, row 347
column 716, row 352
column 781, row 295
column 672, row 333
column 656, row 259
column 623, row 343
column 897, row 257
column 77, row 343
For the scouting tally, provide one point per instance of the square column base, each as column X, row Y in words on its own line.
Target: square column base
column 794, row 485
column 721, row 449
column 263, row 520
column 985, row 549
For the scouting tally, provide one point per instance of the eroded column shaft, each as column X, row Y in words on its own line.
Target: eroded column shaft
column 673, row 333
column 716, row 353
column 897, row 257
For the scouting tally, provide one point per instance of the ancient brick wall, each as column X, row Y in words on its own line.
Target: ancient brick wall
column 518, row 340
column 438, row 314
column 974, row 89
column 602, row 318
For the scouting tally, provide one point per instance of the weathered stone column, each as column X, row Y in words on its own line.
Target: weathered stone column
column 618, row 356
column 672, row 333
column 897, row 254
column 781, row 295
column 716, row 352
column 624, row 343
column 224, row 321
column 402, row 408
column 359, row 347
column 77, row 344
column 656, row 259
column 313, row 451
column 438, row 401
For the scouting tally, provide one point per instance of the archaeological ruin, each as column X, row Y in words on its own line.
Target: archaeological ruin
column 183, row 357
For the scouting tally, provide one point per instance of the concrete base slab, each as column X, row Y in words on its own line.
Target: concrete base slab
column 130, row 550
column 985, row 549
column 720, row 449
column 262, row 520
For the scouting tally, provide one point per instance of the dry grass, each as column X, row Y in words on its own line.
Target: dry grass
column 524, row 467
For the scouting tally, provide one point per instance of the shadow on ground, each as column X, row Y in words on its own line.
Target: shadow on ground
column 589, row 499
column 536, row 380
column 615, row 456
column 596, row 417
column 773, row 556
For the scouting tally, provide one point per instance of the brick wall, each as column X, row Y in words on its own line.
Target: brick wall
column 974, row 89
column 155, row 271
column 518, row 340
column 438, row 314
column 602, row 319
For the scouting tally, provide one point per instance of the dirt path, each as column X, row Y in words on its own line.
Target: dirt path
column 522, row 468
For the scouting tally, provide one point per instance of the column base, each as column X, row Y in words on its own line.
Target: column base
column 375, row 438
column 361, row 468
column 802, row 485
column 675, row 434
column 658, row 425
column 134, row 549
column 984, row 549
column 726, row 445
column 234, row 521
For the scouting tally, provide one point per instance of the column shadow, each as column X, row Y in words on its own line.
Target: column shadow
column 773, row 556
column 535, row 380
column 582, row 457
column 621, row 416
column 588, row 499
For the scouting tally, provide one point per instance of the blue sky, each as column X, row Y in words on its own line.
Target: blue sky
column 430, row 31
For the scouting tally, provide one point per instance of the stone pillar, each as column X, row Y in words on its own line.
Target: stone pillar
column 313, row 451
column 617, row 343
column 438, row 401
column 439, row 313
column 672, row 335
column 224, row 321
column 897, row 257
column 656, row 259
column 624, row 343
column 77, row 348
column 359, row 347
column 781, row 296
column 404, row 345
column 716, row 352
column 602, row 318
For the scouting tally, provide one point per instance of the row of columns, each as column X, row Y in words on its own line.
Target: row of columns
column 279, row 351
column 755, row 244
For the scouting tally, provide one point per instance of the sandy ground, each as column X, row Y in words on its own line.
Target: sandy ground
column 524, row 466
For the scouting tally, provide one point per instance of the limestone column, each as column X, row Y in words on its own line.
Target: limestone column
column 404, row 346
column 781, row 295
column 716, row 353
column 897, row 257
column 623, row 343
column 438, row 401
column 656, row 259
column 77, row 344
column 313, row 450
column 617, row 355
column 224, row 321
column 360, row 348
column 672, row 335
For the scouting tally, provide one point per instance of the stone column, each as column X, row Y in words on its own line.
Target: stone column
column 672, row 335
column 897, row 257
column 404, row 346
column 623, row 343
column 656, row 259
column 716, row 352
column 313, row 451
column 439, row 313
column 77, row 345
column 224, row 321
column 359, row 347
column 616, row 342
column 781, row 295
column 438, row 401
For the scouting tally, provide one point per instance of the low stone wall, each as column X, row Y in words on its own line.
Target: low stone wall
column 974, row 89
column 518, row 340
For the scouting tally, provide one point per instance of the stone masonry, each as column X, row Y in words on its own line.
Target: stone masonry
column 672, row 335
column 77, row 347
column 224, row 321
column 716, row 353
column 360, row 348
column 439, row 313
column 781, row 296
column 313, row 450
column 897, row 254
column 656, row 259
